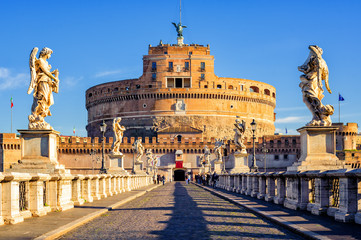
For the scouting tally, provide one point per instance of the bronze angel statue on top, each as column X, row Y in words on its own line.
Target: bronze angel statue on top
column 315, row 70
column 43, row 82
column 179, row 28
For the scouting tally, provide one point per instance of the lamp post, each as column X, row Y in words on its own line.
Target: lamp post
column 264, row 150
column 103, row 128
column 134, row 148
column 254, row 166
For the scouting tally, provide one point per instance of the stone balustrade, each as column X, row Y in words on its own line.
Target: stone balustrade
column 336, row 193
column 24, row 195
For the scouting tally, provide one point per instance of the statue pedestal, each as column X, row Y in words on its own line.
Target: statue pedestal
column 180, row 41
column 138, row 168
column 217, row 166
column 38, row 153
column 116, row 164
column 318, row 149
column 240, row 160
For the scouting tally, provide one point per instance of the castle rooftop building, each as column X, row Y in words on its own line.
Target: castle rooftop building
column 178, row 88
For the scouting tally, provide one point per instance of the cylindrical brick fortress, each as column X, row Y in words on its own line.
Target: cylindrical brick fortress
column 178, row 88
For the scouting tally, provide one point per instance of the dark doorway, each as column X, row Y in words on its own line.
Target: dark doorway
column 179, row 175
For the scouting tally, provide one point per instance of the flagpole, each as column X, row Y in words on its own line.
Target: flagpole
column 339, row 108
column 11, row 120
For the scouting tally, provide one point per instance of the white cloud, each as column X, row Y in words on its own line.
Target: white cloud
column 72, row 81
column 9, row 80
column 106, row 73
column 296, row 119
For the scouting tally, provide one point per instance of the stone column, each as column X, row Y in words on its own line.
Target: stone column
column 297, row 192
column 76, row 190
column 322, row 194
column 87, row 191
column 10, row 202
column 249, row 184
column 64, row 192
column 281, row 189
column 108, row 185
column 348, row 199
column 244, row 183
column 102, row 186
column 357, row 173
column 235, row 182
column 53, row 192
column 255, row 185
column 95, row 187
column 270, row 193
column 36, row 198
column 262, row 186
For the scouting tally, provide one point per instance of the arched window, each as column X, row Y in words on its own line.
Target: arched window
column 254, row 89
column 179, row 138
column 219, row 86
column 274, row 95
column 267, row 92
column 230, row 87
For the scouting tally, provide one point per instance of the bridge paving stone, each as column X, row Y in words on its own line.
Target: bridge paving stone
column 179, row 211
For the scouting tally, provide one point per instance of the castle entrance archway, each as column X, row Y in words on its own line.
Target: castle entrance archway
column 179, row 175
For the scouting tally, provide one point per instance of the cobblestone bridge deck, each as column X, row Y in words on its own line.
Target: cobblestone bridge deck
column 179, row 211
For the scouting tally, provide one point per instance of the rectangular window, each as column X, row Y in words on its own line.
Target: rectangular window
column 170, row 82
column 203, row 66
column 186, row 66
column 154, row 76
column 181, row 82
column 242, row 87
column 203, row 76
column 154, row 66
column 285, row 157
column 170, row 66
column 187, row 82
column 276, row 157
column 190, row 53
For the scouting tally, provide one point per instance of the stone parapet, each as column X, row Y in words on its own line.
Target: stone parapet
column 24, row 195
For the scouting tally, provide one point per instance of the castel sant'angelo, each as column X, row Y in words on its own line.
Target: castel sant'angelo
column 177, row 109
column 180, row 93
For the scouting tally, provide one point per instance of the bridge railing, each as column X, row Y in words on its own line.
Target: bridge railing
column 336, row 193
column 24, row 195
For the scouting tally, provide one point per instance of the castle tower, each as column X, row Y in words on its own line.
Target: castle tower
column 179, row 88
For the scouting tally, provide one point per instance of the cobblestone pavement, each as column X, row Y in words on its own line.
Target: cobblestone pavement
column 179, row 211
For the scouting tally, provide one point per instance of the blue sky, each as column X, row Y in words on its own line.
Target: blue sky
column 101, row 41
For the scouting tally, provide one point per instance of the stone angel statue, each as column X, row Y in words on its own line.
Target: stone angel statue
column 218, row 146
column 139, row 149
column 43, row 82
column 207, row 155
column 315, row 70
column 118, row 132
column 149, row 155
column 179, row 29
column 239, row 133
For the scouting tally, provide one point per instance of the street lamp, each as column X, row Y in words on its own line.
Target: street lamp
column 264, row 150
column 103, row 128
column 254, row 166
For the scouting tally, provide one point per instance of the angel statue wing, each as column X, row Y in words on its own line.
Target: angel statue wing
column 32, row 69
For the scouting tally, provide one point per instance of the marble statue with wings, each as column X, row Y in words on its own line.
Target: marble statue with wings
column 43, row 83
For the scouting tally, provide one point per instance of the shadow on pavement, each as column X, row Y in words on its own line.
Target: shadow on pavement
column 187, row 220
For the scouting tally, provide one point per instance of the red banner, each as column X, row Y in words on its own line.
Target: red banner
column 179, row 164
